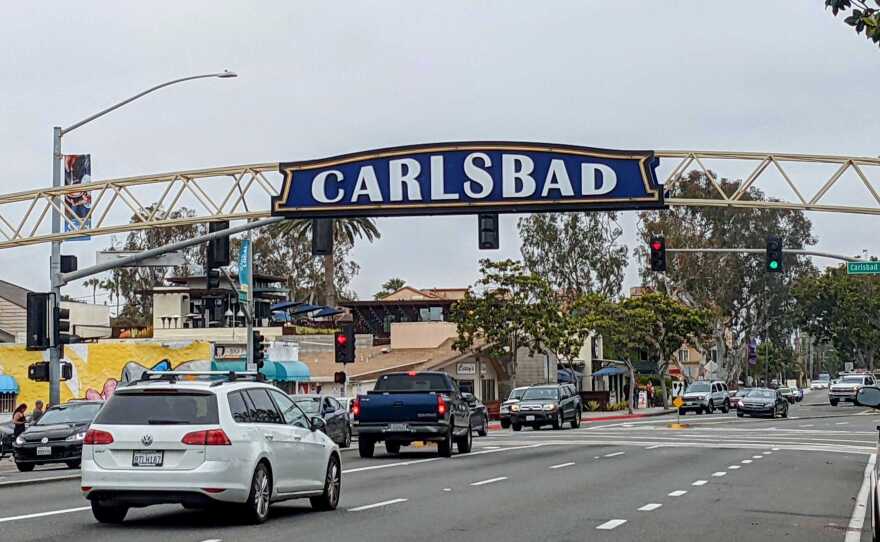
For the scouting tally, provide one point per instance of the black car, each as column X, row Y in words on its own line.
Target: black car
column 334, row 414
column 6, row 439
column 546, row 405
column 57, row 437
column 479, row 414
column 763, row 402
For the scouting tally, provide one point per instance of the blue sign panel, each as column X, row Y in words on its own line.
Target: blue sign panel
column 459, row 178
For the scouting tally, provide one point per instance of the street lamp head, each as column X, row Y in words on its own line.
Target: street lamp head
column 226, row 73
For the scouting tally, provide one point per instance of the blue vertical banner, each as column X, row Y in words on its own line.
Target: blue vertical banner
column 753, row 352
column 245, row 277
column 77, row 205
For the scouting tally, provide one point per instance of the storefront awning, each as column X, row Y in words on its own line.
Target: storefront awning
column 291, row 371
column 8, row 384
column 609, row 371
column 268, row 370
column 285, row 305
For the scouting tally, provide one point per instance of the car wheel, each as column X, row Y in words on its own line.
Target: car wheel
column 332, row 487
column 484, row 430
column 557, row 421
column 576, row 422
column 256, row 509
column 444, row 447
column 346, row 441
column 711, row 408
column 393, row 448
column 465, row 443
column 739, row 414
column 833, row 402
column 25, row 467
column 785, row 413
column 73, row 464
column 366, row 447
column 516, row 427
column 505, row 424
column 108, row 512
column 725, row 408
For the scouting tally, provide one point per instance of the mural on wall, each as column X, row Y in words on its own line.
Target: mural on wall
column 99, row 369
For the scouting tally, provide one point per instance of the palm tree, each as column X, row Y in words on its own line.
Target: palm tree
column 345, row 230
column 94, row 284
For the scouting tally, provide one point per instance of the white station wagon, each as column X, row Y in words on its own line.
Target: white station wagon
column 227, row 439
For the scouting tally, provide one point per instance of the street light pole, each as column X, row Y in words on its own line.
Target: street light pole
column 55, row 257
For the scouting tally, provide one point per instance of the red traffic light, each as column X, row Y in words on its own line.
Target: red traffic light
column 656, row 245
column 341, row 340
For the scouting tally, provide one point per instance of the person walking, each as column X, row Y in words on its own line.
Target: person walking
column 18, row 420
column 38, row 412
column 650, row 390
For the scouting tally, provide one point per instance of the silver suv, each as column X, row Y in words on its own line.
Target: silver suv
column 705, row 396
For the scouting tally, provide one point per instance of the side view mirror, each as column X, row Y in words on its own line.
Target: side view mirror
column 318, row 423
column 468, row 397
column 869, row 396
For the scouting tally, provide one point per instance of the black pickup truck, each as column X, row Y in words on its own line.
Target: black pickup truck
column 414, row 406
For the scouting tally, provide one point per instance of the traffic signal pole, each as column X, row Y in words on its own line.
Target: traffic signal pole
column 55, row 272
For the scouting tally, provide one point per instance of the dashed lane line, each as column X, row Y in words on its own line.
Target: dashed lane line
column 719, row 474
column 614, row 454
column 677, row 493
column 650, row 506
column 489, row 481
column 746, row 461
column 857, row 520
column 700, row 483
column 44, row 514
column 561, row 465
column 611, row 524
column 734, row 467
column 376, row 505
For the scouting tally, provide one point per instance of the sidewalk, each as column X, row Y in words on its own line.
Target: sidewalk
column 590, row 417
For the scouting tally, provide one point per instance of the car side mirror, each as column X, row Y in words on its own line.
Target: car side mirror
column 318, row 423
column 869, row 396
column 469, row 397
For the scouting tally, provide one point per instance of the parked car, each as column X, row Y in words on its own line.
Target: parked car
column 6, row 439
column 869, row 396
column 789, row 395
column 413, row 406
column 737, row 396
column 763, row 402
column 848, row 387
column 57, row 437
column 551, row 404
column 235, row 441
column 479, row 414
column 514, row 397
column 704, row 396
column 335, row 415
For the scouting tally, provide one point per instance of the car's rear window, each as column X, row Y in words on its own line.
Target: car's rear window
column 412, row 382
column 159, row 407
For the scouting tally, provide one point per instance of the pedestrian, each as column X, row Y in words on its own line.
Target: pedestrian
column 18, row 420
column 38, row 412
column 650, row 389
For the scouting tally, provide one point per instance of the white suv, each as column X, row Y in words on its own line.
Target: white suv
column 198, row 443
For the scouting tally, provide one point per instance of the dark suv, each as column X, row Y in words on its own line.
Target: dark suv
column 547, row 405
column 57, row 437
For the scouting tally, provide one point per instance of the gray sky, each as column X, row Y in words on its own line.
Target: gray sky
column 324, row 78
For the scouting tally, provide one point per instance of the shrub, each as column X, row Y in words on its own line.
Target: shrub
column 593, row 406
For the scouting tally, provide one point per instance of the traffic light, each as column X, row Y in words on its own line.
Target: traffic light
column 343, row 342
column 774, row 254
column 37, row 321
column 213, row 279
column 259, row 343
column 339, row 377
column 39, row 371
column 322, row 236
column 62, row 327
column 658, row 253
column 68, row 263
column 218, row 249
column 487, row 231
column 66, row 370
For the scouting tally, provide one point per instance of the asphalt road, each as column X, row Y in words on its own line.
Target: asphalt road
column 745, row 479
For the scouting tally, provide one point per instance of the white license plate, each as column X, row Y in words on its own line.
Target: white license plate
column 398, row 427
column 147, row 459
column 44, row 450
column 530, row 418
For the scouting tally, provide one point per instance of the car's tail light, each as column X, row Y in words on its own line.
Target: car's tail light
column 213, row 490
column 441, row 405
column 96, row 436
column 210, row 437
column 356, row 407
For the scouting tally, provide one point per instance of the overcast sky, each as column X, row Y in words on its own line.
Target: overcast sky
column 323, row 78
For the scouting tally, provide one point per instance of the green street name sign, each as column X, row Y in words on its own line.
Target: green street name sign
column 863, row 268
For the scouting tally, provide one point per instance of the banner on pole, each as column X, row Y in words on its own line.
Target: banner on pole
column 244, row 271
column 77, row 205
column 753, row 352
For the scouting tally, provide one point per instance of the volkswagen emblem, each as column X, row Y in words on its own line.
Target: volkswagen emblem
column 147, row 440
column 44, row 440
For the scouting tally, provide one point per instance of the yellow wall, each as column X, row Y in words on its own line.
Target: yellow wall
column 97, row 368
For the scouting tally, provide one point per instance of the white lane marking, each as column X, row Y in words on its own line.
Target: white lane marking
column 489, row 481
column 417, row 461
column 775, row 449
column 650, row 506
column 719, row 474
column 447, row 489
column 733, row 467
column 746, row 461
column 561, row 465
column 842, row 423
column 213, row 540
column 615, row 454
column 757, row 456
column 597, row 457
column 491, row 447
column 677, row 493
column 45, row 479
column 44, row 514
column 700, row 483
column 654, row 447
column 807, row 425
column 857, row 520
column 767, row 453
column 611, row 524
column 376, row 505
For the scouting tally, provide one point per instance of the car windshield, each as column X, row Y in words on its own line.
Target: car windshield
column 784, row 390
column 517, row 393
column 540, row 393
column 852, row 379
column 698, row 387
column 743, row 393
column 71, row 413
column 762, row 394
column 159, row 407
column 309, row 405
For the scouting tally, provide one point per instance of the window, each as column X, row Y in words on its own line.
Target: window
column 683, row 355
column 488, row 389
column 7, row 402
column 156, row 407
column 431, row 314
column 333, row 404
column 466, row 386
column 292, row 414
column 237, row 408
column 263, row 410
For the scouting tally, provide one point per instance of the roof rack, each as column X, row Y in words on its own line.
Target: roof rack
column 175, row 376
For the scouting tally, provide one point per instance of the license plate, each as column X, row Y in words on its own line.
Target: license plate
column 398, row 427
column 44, row 450
column 147, row 459
column 530, row 418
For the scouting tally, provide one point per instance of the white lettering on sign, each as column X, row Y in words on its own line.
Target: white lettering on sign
column 319, row 188
column 367, row 185
column 477, row 176
column 594, row 185
column 557, row 179
column 437, row 181
column 404, row 171
column 516, row 176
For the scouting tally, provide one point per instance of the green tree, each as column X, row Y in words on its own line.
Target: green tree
column 389, row 287
column 345, row 231
column 578, row 253
column 863, row 18
column 94, row 284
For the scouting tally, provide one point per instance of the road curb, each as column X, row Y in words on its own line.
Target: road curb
column 44, row 480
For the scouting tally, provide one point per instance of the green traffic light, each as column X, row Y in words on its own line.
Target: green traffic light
column 774, row 265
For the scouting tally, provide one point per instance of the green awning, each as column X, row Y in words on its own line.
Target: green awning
column 291, row 371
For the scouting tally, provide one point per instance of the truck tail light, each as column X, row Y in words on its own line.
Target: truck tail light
column 356, row 407
column 211, row 437
column 96, row 436
column 441, row 405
